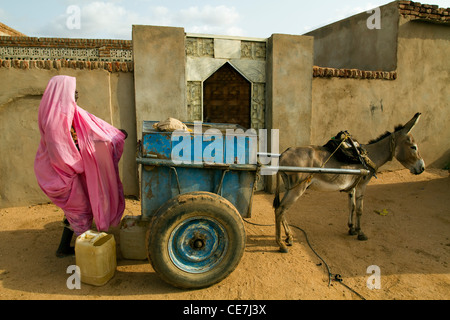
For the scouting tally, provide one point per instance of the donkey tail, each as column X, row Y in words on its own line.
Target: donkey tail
column 276, row 200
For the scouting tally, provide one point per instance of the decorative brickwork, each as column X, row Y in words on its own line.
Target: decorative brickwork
column 200, row 47
column 258, row 106
column 30, row 48
column 194, row 100
column 65, row 42
column 73, row 64
column 322, row 72
column 425, row 12
column 253, row 50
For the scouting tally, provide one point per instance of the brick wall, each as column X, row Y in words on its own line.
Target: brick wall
column 65, row 42
column 323, row 72
column 32, row 48
column 427, row 12
column 116, row 66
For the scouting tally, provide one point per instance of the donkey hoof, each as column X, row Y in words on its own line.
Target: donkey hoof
column 352, row 232
column 362, row 237
column 283, row 249
column 289, row 241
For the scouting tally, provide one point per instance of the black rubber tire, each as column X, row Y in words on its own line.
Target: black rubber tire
column 180, row 211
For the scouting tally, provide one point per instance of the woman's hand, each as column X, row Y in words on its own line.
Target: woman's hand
column 124, row 132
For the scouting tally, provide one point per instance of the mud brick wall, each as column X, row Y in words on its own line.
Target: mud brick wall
column 432, row 13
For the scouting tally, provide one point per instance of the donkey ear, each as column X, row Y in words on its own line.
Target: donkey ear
column 411, row 123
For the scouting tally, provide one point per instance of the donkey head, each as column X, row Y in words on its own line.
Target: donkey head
column 406, row 149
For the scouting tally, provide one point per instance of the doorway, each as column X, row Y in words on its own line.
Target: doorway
column 227, row 97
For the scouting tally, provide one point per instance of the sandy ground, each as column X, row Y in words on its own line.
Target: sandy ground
column 410, row 245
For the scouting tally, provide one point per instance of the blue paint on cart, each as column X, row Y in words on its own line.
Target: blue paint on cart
column 198, row 244
column 161, row 179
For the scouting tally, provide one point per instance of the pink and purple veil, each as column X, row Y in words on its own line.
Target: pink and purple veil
column 85, row 183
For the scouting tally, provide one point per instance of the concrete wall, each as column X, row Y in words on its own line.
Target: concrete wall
column 289, row 76
column 288, row 90
column 349, row 43
column 124, row 117
column 160, row 66
column 367, row 108
column 107, row 95
column 424, row 78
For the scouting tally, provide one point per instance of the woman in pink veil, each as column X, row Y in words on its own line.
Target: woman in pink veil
column 76, row 164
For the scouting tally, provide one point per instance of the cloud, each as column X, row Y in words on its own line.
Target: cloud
column 209, row 19
column 107, row 17
column 95, row 20
column 209, row 15
column 102, row 19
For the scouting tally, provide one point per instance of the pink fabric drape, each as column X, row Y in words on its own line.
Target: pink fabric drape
column 85, row 183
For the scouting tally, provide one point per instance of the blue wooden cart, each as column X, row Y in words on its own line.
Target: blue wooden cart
column 196, row 206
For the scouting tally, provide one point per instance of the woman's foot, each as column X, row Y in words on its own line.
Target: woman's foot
column 70, row 252
column 64, row 249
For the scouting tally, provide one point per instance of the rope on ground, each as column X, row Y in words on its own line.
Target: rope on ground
column 331, row 276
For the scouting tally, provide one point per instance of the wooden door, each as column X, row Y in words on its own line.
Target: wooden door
column 227, row 97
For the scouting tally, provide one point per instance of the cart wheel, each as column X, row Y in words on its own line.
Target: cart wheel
column 196, row 240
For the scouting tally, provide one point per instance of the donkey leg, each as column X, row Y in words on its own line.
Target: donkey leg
column 289, row 235
column 278, row 220
column 359, row 211
column 351, row 207
column 289, row 199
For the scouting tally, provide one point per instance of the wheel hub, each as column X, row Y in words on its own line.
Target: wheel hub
column 198, row 244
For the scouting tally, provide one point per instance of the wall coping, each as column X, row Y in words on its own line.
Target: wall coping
column 72, row 64
column 324, row 72
column 318, row 72
column 213, row 36
column 424, row 12
column 65, row 42
column 32, row 48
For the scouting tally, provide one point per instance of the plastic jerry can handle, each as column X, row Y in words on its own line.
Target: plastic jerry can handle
column 93, row 236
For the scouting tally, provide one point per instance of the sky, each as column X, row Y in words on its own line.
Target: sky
column 114, row 19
